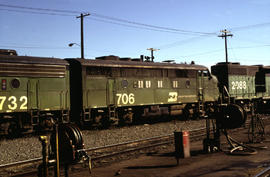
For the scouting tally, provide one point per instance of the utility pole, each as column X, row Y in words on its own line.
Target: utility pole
column 225, row 35
column 152, row 53
column 82, row 45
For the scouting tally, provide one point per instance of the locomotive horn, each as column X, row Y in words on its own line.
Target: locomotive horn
column 232, row 116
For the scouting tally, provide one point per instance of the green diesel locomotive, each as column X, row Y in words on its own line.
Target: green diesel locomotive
column 111, row 89
column 36, row 92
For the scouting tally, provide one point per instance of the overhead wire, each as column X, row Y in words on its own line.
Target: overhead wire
column 151, row 26
column 132, row 26
column 146, row 26
column 33, row 12
column 250, row 26
column 39, row 9
column 219, row 50
column 182, row 42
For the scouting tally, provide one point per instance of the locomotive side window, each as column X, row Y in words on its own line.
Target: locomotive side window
column 140, row 84
column 160, row 84
column 147, row 84
column 175, row 84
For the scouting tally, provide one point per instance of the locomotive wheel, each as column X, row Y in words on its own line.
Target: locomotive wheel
column 232, row 116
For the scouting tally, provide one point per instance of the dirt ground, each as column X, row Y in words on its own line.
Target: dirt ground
column 163, row 163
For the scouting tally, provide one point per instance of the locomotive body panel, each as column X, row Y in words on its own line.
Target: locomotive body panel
column 109, row 85
column 31, row 89
column 31, row 83
column 136, row 83
column 239, row 80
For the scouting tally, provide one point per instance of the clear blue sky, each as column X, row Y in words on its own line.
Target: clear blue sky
column 34, row 34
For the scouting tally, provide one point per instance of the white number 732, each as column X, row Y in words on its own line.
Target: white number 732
column 12, row 102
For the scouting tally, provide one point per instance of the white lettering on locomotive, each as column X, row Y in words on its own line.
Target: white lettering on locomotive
column 124, row 98
column 12, row 102
column 172, row 96
column 236, row 85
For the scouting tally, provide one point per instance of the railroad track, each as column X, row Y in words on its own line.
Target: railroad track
column 104, row 154
column 100, row 154
column 264, row 173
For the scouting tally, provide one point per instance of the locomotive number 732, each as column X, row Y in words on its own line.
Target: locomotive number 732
column 13, row 102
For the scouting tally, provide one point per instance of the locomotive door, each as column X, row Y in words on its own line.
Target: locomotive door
column 32, row 94
column 110, row 92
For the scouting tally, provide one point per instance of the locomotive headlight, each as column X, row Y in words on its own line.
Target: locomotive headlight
column 4, row 84
column 15, row 83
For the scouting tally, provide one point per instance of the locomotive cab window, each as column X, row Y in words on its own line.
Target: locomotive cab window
column 205, row 73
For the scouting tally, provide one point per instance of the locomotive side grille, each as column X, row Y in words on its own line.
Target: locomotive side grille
column 32, row 70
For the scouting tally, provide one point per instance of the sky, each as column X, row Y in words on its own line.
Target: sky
column 182, row 30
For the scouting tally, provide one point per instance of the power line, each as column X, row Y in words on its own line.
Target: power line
column 182, row 42
column 95, row 19
column 32, row 12
column 218, row 50
column 132, row 26
column 111, row 19
column 250, row 26
column 151, row 26
column 39, row 9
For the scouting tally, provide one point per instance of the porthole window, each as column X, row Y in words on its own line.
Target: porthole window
column 15, row 83
column 124, row 83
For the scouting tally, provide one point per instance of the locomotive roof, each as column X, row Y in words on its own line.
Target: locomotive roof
column 235, row 68
column 31, row 60
column 138, row 64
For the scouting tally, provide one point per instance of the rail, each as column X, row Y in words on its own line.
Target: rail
column 264, row 173
column 98, row 153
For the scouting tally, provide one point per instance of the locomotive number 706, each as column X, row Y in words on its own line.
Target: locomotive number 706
column 124, row 98
column 13, row 103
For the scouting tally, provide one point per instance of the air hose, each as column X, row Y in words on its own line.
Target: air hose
column 238, row 148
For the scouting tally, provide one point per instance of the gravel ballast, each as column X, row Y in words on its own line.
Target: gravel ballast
column 13, row 150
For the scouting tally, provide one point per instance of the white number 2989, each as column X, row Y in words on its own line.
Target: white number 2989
column 239, row 85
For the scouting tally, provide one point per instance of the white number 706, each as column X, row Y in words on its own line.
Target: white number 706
column 125, row 98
